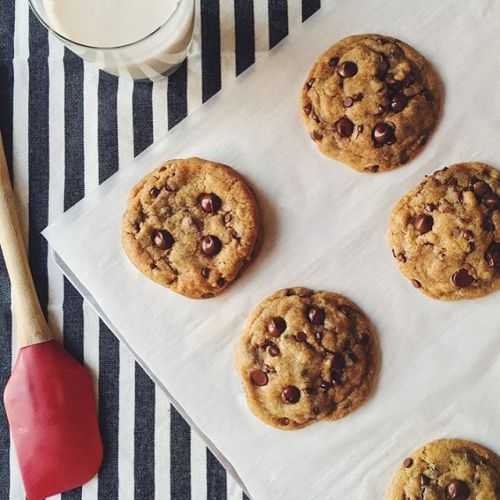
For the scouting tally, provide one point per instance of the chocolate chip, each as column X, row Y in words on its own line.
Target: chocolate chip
column 169, row 187
column 162, row 239
column 382, row 68
column 462, row 278
column 154, row 192
column 284, row 421
column 316, row 410
column 316, row 135
column 373, row 168
column 221, row 282
column 402, row 257
column 429, row 208
column 307, row 108
column 325, row 385
column 480, row 188
column 210, row 245
column 492, row 201
column 423, row 223
column 381, row 41
column 337, row 377
column 300, row 336
column 269, row 369
column 210, row 202
column 348, row 102
column 383, row 133
column 457, row 490
column 344, row 126
column 455, row 231
column 276, row 326
column 227, row 217
column 318, row 336
column 398, row 102
column 207, row 295
column 468, row 235
column 426, row 94
column 492, row 254
column 381, row 109
column 408, row 462
column 393, row 252
column 360, row 129
column 162, row 169
column 333, row 62
column 309, row 84
column 316, row 315
column 392, row 81
column 347, row 69
column 424, row 480
column 416, row 283
column 136, row 225
column 258, row 377
column 364, row 339
column 409, row 79
column 358, row 96
column 273, row 349
column 290, row 395
column 338, row 362
column 352, row 356
column 488, row 225
column 205, row 272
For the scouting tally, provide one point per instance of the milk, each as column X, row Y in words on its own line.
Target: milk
column 136, row 38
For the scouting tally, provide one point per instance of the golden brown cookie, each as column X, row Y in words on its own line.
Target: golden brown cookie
column 448, row 469
column 445, row 233
column 191, row 225
column 371, row 102
column 306, row 356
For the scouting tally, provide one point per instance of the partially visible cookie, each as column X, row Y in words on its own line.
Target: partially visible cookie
column 448, row 469
column 191, row 225
column 371, row 102
column 445, row 233
column 305, row 356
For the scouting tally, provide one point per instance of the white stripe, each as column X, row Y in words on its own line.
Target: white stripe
column 56, row 177
column 90, row 142
column 160, row 112
column 162, row 445
column 126, row 425
column 194, row 65
column 261, row 16
column 228, row 59
column 20, row 169
column 198, row 468
column 233, row 490
column 126, row 415
column 294, row 15
column 125, row 121
column 91, row 180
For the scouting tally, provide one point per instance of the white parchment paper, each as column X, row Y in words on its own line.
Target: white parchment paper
column 325, row 228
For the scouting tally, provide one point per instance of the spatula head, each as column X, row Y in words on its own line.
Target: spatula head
column 52, row 416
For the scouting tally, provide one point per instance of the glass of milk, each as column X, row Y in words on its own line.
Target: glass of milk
column 139, row 39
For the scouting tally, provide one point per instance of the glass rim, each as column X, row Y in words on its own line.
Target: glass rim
column 96, row 47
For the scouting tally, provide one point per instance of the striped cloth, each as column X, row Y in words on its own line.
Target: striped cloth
column 66, row 128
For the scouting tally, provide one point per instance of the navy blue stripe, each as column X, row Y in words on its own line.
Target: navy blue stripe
column 278, row 21
column 244, row 27
column 109, row 354
column 244, row 496
column 144, row 422
column 180, row 457
column 144, row 435
column 74, row 190
column 177, row 95
column 6, row 90
column 210, row 48
column 309, row 7
column 142, row 111
column 109, row 400
column 216, row 479
column 38, row 153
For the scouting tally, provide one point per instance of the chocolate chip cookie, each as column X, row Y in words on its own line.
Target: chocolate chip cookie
column 448, row 469
column 445, row 233
column 191, row 225
column 371, row 102
column 306, row 356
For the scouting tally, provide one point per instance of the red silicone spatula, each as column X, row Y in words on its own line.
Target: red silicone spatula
column 49, row 398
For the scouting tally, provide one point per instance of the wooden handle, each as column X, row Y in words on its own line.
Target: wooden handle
column 31, row 325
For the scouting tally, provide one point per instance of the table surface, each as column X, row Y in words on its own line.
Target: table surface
column 66, row 128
